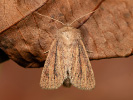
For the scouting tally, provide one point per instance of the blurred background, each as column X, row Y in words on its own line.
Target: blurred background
column 114, row 81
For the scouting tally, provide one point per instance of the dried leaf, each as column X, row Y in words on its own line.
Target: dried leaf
column 25, row 35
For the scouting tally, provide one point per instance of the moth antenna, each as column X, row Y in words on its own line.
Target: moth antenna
column 82, row 17
column 50, row 18
column 91, row 13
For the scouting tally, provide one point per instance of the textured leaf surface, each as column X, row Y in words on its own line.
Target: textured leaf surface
column 25, row 35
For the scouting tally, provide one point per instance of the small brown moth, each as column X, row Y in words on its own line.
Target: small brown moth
column 68, row 61
column 67, row 58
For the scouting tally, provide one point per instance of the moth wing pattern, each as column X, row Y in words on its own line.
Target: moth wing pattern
column 53, row 73
column 81, row 73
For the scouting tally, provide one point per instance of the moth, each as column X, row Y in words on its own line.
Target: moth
column 67, row 61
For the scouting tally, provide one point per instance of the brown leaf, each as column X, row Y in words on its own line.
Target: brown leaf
column 25, row 35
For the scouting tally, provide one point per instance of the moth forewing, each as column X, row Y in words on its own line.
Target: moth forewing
column 53, row 73
column 81, row 75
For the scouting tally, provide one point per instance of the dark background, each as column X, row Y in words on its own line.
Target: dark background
column 114, row 81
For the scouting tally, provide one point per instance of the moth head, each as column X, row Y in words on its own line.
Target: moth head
column 69, row 32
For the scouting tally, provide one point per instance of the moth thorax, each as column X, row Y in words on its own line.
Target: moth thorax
column 69, row 34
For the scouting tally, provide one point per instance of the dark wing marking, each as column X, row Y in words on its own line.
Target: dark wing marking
column 81, row 73
column 53, row 73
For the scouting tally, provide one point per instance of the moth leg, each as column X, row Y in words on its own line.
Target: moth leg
column 46, row 52
column 89, row 51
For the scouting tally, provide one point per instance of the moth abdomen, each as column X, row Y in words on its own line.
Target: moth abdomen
column 67, row 82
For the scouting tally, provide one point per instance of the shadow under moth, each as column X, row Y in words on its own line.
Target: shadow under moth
column 67, row 61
